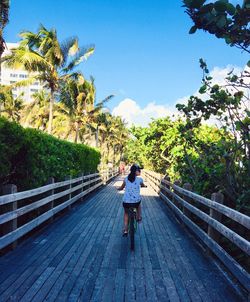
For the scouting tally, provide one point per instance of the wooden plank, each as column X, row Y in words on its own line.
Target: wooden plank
column 140, row 289
column 149, row 279
column 119, row 292
column 226, row 259
column 108, row 290
column 55, row 282
column 100, row 243
column 84, row 282
column 175, row 286
column 172, row 241
column 36, row 286
column 66, row 279
column 80, row 272
column 99, row 284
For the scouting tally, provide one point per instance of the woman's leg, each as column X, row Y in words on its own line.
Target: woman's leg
column 138, row 216
column 125, row 221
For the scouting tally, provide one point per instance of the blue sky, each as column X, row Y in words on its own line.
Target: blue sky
column 143, row 49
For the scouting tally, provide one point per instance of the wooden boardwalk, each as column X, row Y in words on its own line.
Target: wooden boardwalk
column 83, row 257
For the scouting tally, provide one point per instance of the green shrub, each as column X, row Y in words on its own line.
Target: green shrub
column 29, row 157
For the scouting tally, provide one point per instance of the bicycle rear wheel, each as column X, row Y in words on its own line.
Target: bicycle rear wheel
column 132, row 233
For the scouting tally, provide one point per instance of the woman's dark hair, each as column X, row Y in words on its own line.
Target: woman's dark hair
column 132, row 174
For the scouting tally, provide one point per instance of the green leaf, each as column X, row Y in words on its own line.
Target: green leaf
column 221, row 22
column 192, row 29
column 220, row 6
column 228, row 40
column 231, row 9
column 203, row 89
column 188, row 2
column 197, row 3
column 248, row 63
column 238, row 125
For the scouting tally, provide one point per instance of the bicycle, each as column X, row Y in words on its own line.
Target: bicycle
column 132, row 226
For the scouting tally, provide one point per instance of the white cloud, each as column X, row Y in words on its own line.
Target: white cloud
column 132, row 113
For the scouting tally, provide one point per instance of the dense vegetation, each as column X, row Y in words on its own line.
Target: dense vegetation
column 29, row 157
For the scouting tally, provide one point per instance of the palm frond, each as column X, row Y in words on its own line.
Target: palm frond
column 69, row 48
column 104, row 101
column 23, row 58
column 83, row 54
column 25, row 82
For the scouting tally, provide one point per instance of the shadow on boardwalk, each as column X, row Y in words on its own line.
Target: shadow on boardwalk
column 82, row 257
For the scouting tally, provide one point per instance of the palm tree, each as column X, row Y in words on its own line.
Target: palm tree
column 36, row 113
column 78, row 105
column 11, row 106
column 77, row 99
column 118, row 138
column 4, row 19
column 42, row 53
column 113, row 137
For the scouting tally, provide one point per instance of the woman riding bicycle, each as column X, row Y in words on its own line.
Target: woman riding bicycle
column 132, row 198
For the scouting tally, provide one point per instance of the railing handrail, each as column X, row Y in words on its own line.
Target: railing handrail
column 43, row 189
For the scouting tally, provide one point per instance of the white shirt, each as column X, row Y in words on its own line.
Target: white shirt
column 132, row 190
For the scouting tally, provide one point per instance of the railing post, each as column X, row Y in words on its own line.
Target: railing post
column 50, row 181
column 187, row 186
column 106, row 175
column 12, row 225
column 69, row 187
column 217, row 197
column 103, row 177
column 166, row 177
column 177, row 183
column 82, row 183
column 88, row 179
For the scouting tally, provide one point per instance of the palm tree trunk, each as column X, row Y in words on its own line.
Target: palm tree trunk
column 113, row 156
column 77, row 131
column 51, row 107
column 96, row 137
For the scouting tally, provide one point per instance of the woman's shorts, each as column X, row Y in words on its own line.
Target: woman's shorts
column 128, row 205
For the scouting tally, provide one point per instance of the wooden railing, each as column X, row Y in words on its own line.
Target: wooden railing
column 22, row 212
column 187, row 205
